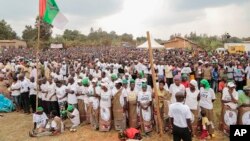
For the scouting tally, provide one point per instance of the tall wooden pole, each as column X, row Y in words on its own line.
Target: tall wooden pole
column 37, row 59
column 154, row 84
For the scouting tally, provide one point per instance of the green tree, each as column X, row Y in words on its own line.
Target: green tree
column 71, row 34
column 29, row 33
column 126, row 37
column 6, row 32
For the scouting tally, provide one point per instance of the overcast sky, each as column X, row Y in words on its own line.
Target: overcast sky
column 161, row 17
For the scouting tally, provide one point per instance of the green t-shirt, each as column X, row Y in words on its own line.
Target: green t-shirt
column 243, row 99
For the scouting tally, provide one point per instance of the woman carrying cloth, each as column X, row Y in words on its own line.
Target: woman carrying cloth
column 119, row 107
column 105, row 108
column 192, row 101
column 229, row 109
column 145, row 102
column 244, row 107
column 94, row 104
column 164, row 100
column 132, row 105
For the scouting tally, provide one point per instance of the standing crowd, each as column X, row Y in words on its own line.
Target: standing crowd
column 112, row 88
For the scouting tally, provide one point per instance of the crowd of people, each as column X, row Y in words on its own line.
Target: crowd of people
column 112, row 88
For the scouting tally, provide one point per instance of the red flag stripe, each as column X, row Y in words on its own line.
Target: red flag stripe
column 42, row 7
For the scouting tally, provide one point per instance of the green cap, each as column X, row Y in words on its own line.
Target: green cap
column 132, row 81
column 124, row 81
column 85, row 81
column 141, row 74
column 39, row 109
column 70, row 108
column 184, row 75
column 113, row 76
column 144, row 85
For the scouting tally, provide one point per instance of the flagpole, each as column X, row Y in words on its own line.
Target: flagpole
column 37, row 51
column 154, row 84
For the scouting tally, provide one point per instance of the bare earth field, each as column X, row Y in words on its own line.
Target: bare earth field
column 15, row 127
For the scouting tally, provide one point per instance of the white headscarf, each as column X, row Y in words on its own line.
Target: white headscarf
column 194, row 83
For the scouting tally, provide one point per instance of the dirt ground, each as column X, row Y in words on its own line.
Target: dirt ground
column 15, row 127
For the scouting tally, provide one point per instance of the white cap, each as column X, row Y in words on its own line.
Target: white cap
column 79, row 81
column 200, row 61
column 231, row 84
column 94, row 80
column 118, row 81
column 104, row 84
column 144, row 80
column 126, row 73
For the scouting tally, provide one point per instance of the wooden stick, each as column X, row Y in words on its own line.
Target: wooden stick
column 37, row 50
column 154, row 84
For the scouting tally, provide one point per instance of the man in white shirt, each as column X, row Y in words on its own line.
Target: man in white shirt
column 15, row 92
column 61, row 95
column 44, row 92
column 40, row 120
column 176, row 87
column 24, row 93
column 180, row 116
column 73, row 115
column 186, row 69
column 247, row 71
column 160, row 69
column 169, row 74
column 71, row 92
column 52, row 99
column 64, row 68
column 32, row 93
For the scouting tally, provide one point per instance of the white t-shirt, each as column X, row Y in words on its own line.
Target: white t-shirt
column 58, row 77
column 105, row 100
column 97, row 74
column 79, row 90
column 111, row 85
column 191, row 99
column 44, row 89
column 32, row 86
column 76, row 119
column 40, row 120
column 60, row 92
column 180, row 113
column 186, row 70
column 173, row 89
column 160, row 69
column 226, row 96
column 206, row 97
column 138, row 84
column 247, row 70
column 51, row 91
column 72, row 99
column 144, row 97
column 63, row 69
column 24, row 85
column 16, row 85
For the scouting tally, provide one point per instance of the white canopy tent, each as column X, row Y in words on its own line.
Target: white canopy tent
column 154, row 45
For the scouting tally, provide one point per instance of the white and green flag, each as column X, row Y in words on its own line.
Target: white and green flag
column 53, row 15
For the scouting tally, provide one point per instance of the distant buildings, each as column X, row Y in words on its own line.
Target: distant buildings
column 12, row 44
column 179, row 42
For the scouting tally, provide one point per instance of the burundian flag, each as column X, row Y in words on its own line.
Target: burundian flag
column 50, row 13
